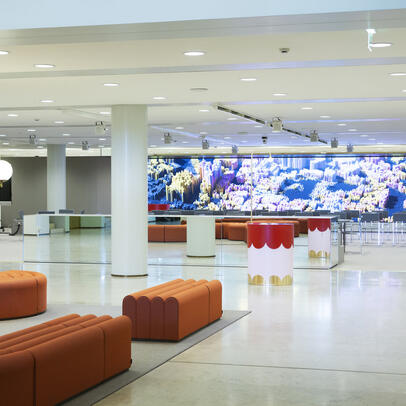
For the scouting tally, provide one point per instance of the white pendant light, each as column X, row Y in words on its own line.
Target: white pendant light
column 6, row 171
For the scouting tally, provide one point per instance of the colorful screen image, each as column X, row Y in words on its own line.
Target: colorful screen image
column 365, row 183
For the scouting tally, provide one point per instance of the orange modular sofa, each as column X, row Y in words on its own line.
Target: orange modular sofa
column 237, row 231
column 173, row 310
column 53, row 361
column 22, row 293
column 167, row 233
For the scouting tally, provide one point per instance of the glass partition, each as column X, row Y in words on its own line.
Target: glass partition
column 67, row 238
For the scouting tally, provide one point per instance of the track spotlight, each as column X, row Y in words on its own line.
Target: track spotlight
column 314, row 136
column 168, row 138
column 32, row 139
column 205, row 144
column 334, row 142
column 234, row 149
column 350, row 148
column 99, row 128
column 85, row 146
column 277, row 125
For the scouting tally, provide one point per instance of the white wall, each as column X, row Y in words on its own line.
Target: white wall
column 19, row 14
column 87, row 186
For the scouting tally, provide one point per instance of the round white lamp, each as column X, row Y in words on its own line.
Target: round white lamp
column 6, row 171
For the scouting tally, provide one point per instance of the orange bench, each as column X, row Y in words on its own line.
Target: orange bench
column 167, row 233
column 22, row 293
column 173, row 310
column 53, row 361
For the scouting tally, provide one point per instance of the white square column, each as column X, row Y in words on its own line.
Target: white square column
column 129, row 190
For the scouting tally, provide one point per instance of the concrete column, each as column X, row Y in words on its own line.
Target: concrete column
column 129, row 188
column 56, row 177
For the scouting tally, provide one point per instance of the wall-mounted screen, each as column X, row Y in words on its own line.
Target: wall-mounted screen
column 5, row 191
column 364, row 183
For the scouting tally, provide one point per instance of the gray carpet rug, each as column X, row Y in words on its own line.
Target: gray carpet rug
column 147, row 355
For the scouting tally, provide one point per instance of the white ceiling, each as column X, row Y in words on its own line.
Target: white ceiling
column 331, row 71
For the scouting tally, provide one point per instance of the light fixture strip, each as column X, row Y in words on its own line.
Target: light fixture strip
column 261, row 121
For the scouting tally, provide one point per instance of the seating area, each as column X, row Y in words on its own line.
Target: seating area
column 173, row 310
column 233, row 229
column 53, row 361
column 22, row 293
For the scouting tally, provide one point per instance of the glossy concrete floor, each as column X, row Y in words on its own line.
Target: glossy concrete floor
column 335, row 337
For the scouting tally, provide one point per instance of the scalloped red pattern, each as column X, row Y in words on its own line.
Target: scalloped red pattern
column 320, row 224
column 272, row 234
column 153, row 206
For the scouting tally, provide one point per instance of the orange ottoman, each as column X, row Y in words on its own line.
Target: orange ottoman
column 175, row 233
column 156, row 233
column 237, row 231
column 22, row 293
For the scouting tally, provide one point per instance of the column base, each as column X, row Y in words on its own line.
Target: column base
column 128, row 276
column 274, row 280
column 318, row 254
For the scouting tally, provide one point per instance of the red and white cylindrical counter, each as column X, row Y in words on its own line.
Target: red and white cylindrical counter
column 319, row 237
column 270, row 253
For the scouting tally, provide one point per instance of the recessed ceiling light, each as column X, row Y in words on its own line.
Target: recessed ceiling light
column 12, row 115
column 248, row 79
column 102, row 139
column 59, row 122
column 70, row 142
column 3, row 135
column 105, row 113
column 159, row 98
column 204, row 111
column 4, row 52
column 258, row 126
column 307, row 108
column 31, row 130
column 364, row 135
column 44, row 65
column 397, row 74
column 380, row 44
column 203, row 133
column 232, row 118
column 111, row 84
column 341, row 124
column 42, row 139
column 227, row 138
column 325, row 116
column 352, row 129
column 40, row 147
column 193, row 53
column 47, row 101
column 66, row 135
column 371, row 139
column 279, row 94
column 179, row 128
column 185, row 142
column 153, row 146
column 6, row 143
column 101, row 146
column 404, row 90
column 244, row 141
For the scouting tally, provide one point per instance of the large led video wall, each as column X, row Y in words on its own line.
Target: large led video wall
column 365, row 183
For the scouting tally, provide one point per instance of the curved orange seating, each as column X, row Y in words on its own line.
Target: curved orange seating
column 175, row 233
column 173, row 310
column 53, row 361
column 237, row 231
column 22, row 293
column 156, row 233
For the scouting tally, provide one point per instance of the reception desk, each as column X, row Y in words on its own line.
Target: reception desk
column 39, row 224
